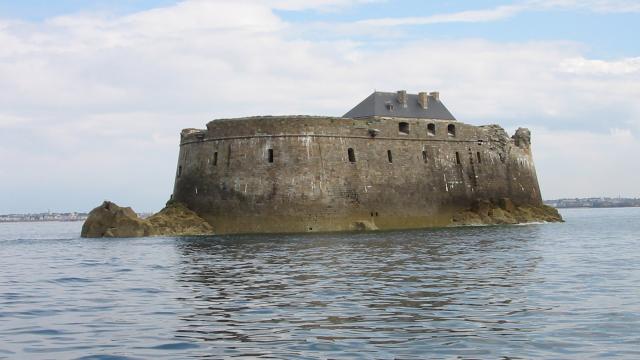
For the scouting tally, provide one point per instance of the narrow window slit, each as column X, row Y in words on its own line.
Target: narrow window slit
column 457, row 158
column 270, row 155
column 389, row 156
column 352, row 155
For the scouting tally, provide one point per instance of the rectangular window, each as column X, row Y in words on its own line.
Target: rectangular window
column 270, row 155
column 403, row 128
column 457, row 158
column 424, row 156
column 479, row 158
column 179, row 170
column 215, row 158
column 431, row 129
column 352, row 155
column 389, row 156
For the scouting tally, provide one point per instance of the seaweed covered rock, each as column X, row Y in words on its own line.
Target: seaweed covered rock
column 177, row 219
column 111, row 220
column 503, row 211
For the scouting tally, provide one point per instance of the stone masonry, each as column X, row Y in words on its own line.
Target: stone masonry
column 306, row 173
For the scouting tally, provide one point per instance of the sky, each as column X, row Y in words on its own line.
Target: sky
column 93, row 95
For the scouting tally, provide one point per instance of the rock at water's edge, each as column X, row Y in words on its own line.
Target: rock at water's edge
column 111, row 220
column 503, row 211
column 177, row 219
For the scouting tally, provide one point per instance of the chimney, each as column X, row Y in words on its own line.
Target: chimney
column 423, row 100
column 402, row 97
column 435, row 95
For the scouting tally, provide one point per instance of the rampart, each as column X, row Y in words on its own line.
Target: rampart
column 307, row 173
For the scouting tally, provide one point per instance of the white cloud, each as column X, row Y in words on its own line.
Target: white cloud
column 574, row 163
column 323, row 5
column 502, row 12
column 498, row 13
column 8, row 121
column 584, row 66
column 97, row 102
column 601, row 6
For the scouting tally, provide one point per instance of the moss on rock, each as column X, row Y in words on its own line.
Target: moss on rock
column 111, row 220
column 177, row 219
column 503, row 211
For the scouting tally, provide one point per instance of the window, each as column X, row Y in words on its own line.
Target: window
column 403, row 128
column 389, row 106
column 479, row 158
column 389, row 156
column 215, row 158
column 352, row 155
column 457, row 158
column 451, row 130
column 431, row 129
column 179, row 170
column 424, row 156
column 270, row 155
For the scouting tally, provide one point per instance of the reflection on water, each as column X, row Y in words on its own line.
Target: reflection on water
column 552, row 291
column 384, row 294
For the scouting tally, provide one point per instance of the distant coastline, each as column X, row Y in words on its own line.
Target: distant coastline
column 595, row 202
column 52, row 216
column 40, row 217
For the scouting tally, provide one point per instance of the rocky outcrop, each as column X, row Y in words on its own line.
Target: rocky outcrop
column 503, row 211
column 176, row 219
column 111, row 220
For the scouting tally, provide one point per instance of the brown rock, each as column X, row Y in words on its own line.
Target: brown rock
column 177, row 219
column 503, row 211
column 111, row 220
column 481, row 207
column 506, row 204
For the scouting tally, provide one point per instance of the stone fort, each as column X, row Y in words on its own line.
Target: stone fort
column 394, row 161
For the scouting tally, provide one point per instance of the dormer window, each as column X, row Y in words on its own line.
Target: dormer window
column 389, row 106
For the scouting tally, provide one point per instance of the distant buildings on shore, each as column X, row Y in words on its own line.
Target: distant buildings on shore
column 601, row 202
column 48, row 216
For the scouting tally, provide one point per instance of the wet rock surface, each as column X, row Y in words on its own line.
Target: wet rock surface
column 177, row 219
column 111, row 220
column 503, row 211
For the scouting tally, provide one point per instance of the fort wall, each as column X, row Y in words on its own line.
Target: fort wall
column 304, row 173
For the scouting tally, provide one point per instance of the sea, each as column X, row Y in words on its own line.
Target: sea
column 536, row 291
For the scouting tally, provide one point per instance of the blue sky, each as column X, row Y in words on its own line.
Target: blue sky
column 93, row 94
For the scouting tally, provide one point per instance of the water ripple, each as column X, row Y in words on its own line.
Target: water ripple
column 536, row 291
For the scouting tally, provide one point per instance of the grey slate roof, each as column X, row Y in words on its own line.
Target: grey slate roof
column 376, row 105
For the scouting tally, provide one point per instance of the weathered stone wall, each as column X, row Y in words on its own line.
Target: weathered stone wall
column 225, row 174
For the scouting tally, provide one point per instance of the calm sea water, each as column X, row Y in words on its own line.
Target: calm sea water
column 567, row 290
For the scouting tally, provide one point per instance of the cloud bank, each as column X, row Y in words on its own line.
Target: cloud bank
column 91, row 105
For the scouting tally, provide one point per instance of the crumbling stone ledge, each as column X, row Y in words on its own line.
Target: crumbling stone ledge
column 503, row 211
column 111, row 220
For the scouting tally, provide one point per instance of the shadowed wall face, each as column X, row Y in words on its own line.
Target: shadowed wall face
column 295, row 174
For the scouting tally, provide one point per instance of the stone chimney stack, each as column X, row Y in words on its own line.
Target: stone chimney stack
column 435, row 95
column 402, row 97
column 423, row 100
